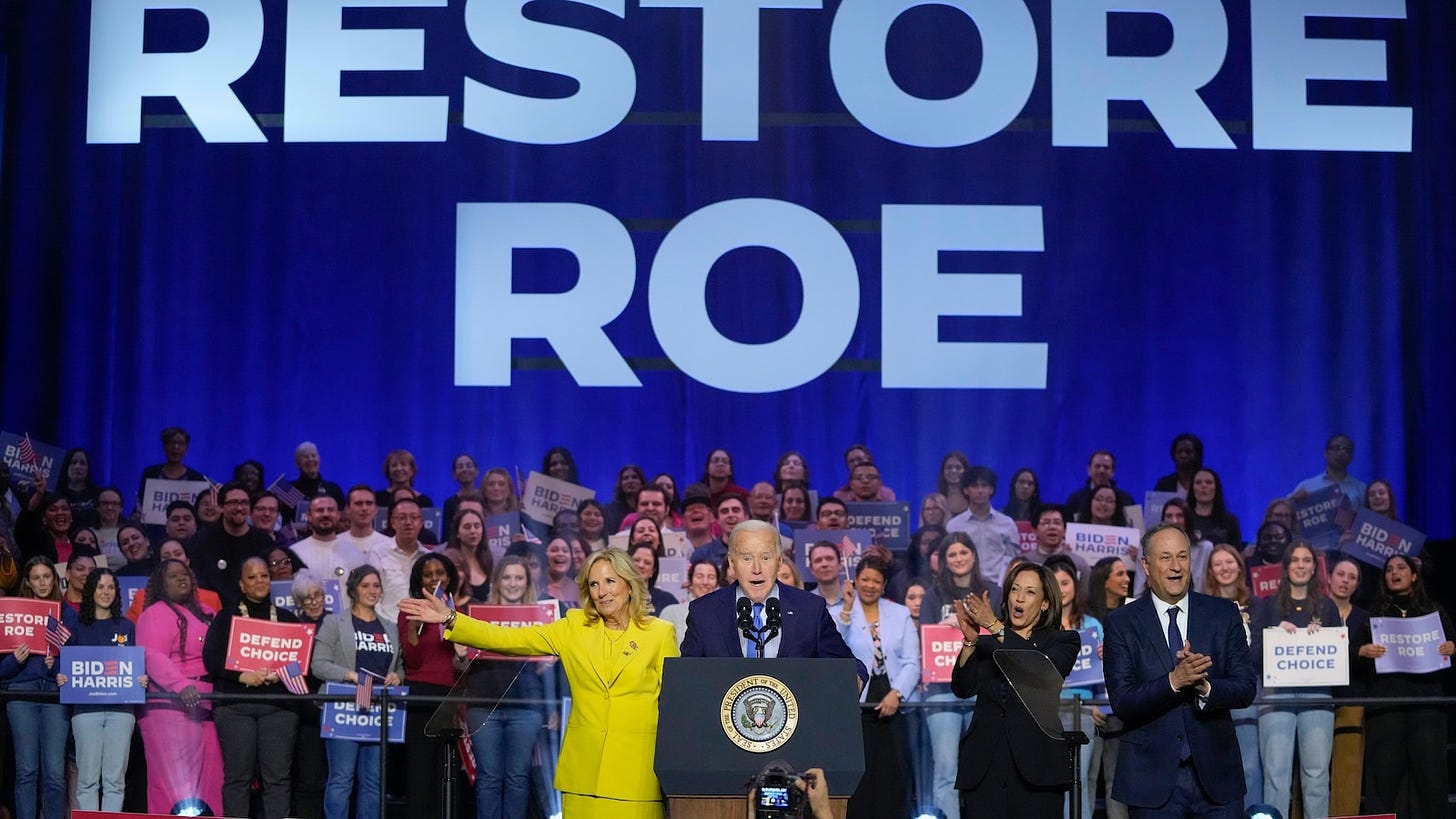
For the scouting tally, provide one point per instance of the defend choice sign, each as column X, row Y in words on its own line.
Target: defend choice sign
column 545, row 496
column 98, row 675
column 1087, row 671
column 1410, row 644
column 342, row 720
column 159, row 492
column 262, row 645
column 530, row 614
column 23, row 620
column 939, row 647
column 1305, row 659
column 888, row 523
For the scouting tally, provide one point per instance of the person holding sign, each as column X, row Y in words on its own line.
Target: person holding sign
column 1300, row 604
column 612, row 652
column 103, row 733
column 503, row 737
column 354, row 646
column 1405, row 744
column 257, row 737
column 1073, row 595
column 1008, row 767
column 38, row 728
column 1224, row 575
column 184, row 761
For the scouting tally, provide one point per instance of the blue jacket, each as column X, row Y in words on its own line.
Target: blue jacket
column 1137, row 662
column 808, row 630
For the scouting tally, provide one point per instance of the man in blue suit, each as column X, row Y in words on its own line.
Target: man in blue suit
column 1176, row 663
column 786, row 622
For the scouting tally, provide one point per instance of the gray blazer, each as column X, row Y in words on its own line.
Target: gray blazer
column 333, row 648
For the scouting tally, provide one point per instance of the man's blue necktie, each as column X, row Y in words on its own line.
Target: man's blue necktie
column 1175, row 635
column 1175, row 645
column 758, row 625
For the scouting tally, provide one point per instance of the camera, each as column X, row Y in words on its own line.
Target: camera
column 778, row 798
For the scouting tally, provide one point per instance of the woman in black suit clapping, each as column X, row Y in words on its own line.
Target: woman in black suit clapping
column 1008, row 767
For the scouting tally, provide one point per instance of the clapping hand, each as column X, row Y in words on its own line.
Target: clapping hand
column 1191, row 670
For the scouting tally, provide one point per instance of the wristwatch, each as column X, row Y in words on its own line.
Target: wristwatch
column 1000, row 633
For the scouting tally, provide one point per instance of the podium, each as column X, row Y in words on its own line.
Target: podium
column 722, row 720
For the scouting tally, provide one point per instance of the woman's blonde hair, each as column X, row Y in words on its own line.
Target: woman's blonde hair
column 638, row 599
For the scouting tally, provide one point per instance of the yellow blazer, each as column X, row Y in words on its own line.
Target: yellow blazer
column 612, row 733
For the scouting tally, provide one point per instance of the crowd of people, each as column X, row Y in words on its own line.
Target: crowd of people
column 214, row 559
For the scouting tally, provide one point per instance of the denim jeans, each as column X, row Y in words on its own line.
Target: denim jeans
column 39, row 731
column 103, row 749
column 1246, row 728
column 946, row 728
column 1314, row 728
column 348, row 761
column 503, row 746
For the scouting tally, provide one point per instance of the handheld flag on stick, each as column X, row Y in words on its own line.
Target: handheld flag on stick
column 293, row 678
column 57, row 634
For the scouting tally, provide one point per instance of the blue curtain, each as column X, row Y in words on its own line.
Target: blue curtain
column 263, row 294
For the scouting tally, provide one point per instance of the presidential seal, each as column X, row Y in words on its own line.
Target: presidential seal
column 759, row 713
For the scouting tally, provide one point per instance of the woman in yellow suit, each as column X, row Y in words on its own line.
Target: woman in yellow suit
column 612, row 652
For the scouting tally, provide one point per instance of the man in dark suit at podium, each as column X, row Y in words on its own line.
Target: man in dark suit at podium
column 1176, row 663
column 781, row 621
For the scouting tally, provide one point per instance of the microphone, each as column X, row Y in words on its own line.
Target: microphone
column 745, row 616
column 773, row 614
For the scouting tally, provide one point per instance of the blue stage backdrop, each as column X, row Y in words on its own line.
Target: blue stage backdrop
column 1021, row 228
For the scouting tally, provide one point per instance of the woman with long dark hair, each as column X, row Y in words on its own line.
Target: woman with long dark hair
column 592, row 520
column 102, row 732
column 794, row 506
column 1405, row 744
column 1299, row 604
column 73, row 482
column 630, row 481
column 1073, row 596
column 957, row 576
column 38, row 728
column 1025, row 496
column 184, row 760
column 791, row 468
column 559, row 463
column 1209, row 518
column 467, row 534
column 948, row 482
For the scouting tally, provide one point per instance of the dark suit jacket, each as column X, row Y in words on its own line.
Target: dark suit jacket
column 1001, row 722
column 1137, row 662
column 808, row 630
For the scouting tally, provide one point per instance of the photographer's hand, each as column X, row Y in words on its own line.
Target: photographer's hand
column 813, row 785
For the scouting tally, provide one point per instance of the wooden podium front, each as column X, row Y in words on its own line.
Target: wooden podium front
column 723, row 807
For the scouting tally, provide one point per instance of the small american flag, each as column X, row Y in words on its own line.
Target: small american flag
column 531, row 536
column 364, row 690
column 292, row 677
column 288, row 495
column 27, row 453
column 445, row 597
column 57, row 634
